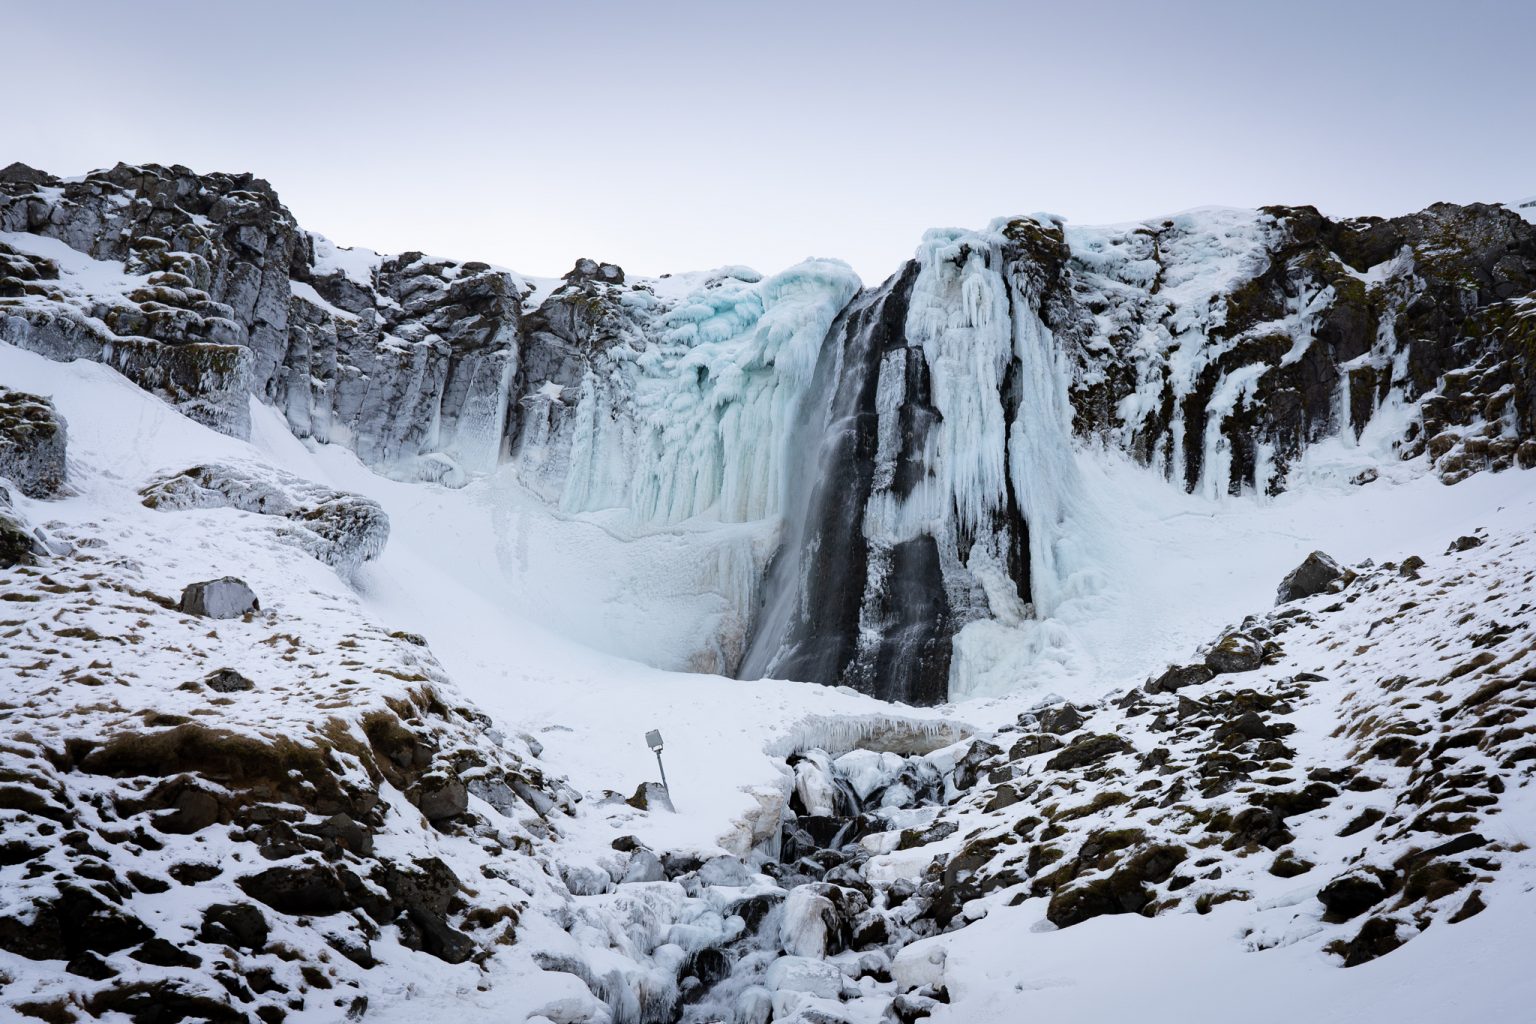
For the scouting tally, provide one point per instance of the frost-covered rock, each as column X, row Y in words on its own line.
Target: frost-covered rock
column 32, row 444
column 644, row 866
column 804, row 974
column 342, row 530
column 920, row 965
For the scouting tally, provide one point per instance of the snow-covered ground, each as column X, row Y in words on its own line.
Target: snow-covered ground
column 549, row 621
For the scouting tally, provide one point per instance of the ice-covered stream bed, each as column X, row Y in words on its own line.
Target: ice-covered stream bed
column 809, row 926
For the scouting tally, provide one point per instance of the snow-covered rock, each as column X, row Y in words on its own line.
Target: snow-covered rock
column 341, row 530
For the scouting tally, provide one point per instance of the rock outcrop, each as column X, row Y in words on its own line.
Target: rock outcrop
column 32, row 444
column 238, row 846
column 340, row 529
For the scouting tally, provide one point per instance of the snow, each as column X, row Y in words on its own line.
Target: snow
column 1525, row 208
column 357, row 265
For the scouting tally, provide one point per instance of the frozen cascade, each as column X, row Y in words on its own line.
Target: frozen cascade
column 711, row 404
column 1042, row 465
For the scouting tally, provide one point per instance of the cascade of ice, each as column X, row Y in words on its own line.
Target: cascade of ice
column 1041, row 464
column 958, row 316
column 708, row 409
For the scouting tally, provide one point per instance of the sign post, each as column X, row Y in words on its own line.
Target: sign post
column 653, row 740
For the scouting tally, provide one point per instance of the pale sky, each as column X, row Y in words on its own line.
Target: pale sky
column 676, row 136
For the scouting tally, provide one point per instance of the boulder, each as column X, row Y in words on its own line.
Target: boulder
column 920, row 965
column 1086, row 750
column 1235, row 652
column 1179, row 676
column 340, row 529
column 1059, row 720
column 1353, row 894
column 585, row 880
column 440, row 797
column 651, row 796
column 223, row 598
column 725, row 870
column 644, row 866
column 227, row 680
column 1464, row 543
column 1035, row 743
column 1315, row 574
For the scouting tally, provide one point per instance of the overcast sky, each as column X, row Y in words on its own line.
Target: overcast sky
column 671, row 136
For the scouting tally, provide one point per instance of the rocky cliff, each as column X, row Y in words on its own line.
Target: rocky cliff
column 910, row 443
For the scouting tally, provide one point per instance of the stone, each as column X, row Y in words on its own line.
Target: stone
column 1035, row 743
column 1235, row 652
column 440, row 798
column 1315, row 574
column 804, row 974
column 1352, row 895
column 1464, row 543
column 223, row 598
column 342, row 530
column 725, row 870
column 1061, row 719
column 227, row 680
column 240, row 925
column 919, row 965
column 644, row 866
column 651, row 796
column 1086, row 750
column 157, row 952
column 302, row 888
column 1177, row 677
column 1377, row 937
column 585, row 880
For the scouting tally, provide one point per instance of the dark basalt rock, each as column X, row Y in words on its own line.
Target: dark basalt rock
column 1060, row 720
column 1377, row 937
column 1038, row 743
column 304, row 888
column 439, row 798
column 1086, row 750
column 227, row 680
column 157, row 952
column 1179, row 676
column 1464, row 543
column 1235, row 652
column 224, row 598
column 234, row 924
column 1313, row 576
column 1353, row 894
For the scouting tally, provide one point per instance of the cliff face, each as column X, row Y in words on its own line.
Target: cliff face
column 914, row 441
